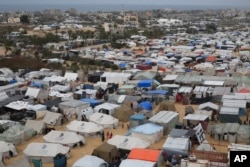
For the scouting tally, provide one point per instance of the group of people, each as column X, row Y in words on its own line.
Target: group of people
column 109, row 135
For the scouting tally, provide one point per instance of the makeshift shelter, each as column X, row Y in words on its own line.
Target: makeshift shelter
column 17, row 134
column 208, row 106
column 127, row 142
column 126, row 89
column 106, row 151
column 178, row 146
column 167, row 106
column 137, row 119
column 146, row 105
column 106, row 108
column 217, row 131
column 104, row 120
column 146, row 155
column 189, row 110
column 95, row 77
column 137, row 163
column 85, row 128
column 65, row 138
column 37, row 126
column 232, row 133
column 167, row 119
column 37, row 93
column 149, row 132
column 123, row 113
column 191, row 120
column 52, row 118
column 229, row 114
column 7, row 149
column 243, row 134
column 21, row 162
column 113, row 77
column 45, row 151
column 73, row 107
column 90, row 161
column 205, row 146
column 92, row 102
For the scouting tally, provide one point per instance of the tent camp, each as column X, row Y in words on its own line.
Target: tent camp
column 85, row 128
column 45, row 151
column 37, row 126
column 149, row 132
column 106, row 151
column 104, row 120
column 63, row 137
column 90, row 161
column 52, row 118
column 178, row 146
column 127, row 142
column 137, row 163
column 17, row 134
column 106, row 108
column 146, row 155
column 73, row 107
column 167, row 119
column 123, row 113
column 7, row 149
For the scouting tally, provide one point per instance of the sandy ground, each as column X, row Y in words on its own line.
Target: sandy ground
column 2, row 51
column 93, row 142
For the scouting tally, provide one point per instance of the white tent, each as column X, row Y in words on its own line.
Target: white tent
column 107, row 108
column 73, row 107
column 6, row 147
column 105, row 120
column 21, row 162
column 3, row 96
column 52, row 118
column 69, row 76
column 45, row 151
column 85, row 128
column 127, row 142
column 90, row 161
column 113, row 77
column 37, row 126
column 63, row 137
column 37, row 93
column 149, row 132
column 137, row 163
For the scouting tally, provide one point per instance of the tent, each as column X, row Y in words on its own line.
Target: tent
column 85, row 128
column 6, row 148
column 106, row 108
column 37, row 126
column 218, row 131
column 45, row 151
column 229, row 114
column 17, row 134
column 127, row 142
column 146, row 155
column 145, row 83
column 137, row 163
column 205, row 146
column 178, row 146
column 90, row 161
column 104, row 120
column 92, row 102
column 106, row 151
column 191, row 120
column 123, row 113
column 137, row 119
column 37, row 93
column 52, row 118
column 243, row 134
column 232, row 133
column 149, row 132
column 167, row 106
column 146, row 105
column 73, row 107
column 21, row 162
column 167, row 119
column 189, row 110
column 63, row 137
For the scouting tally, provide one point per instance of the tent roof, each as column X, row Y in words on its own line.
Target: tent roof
column 208, row 105
column 181, row 133
column 149, row 128
column 137, row 163
column 89, row 160
column 196, row 117
column 164, row 117
column 73, row 103
column 176, row 143
column 123, row 113
column 35, row 125
column 144, row 154
column 84, row 127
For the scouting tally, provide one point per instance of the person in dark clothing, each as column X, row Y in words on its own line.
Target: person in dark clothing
column 103, row 136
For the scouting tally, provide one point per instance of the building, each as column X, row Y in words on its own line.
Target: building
column 13, row 20
column 131, row 20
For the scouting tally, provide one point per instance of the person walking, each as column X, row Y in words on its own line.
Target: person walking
column 107, row 135
column 111, row 135
column 103, row 136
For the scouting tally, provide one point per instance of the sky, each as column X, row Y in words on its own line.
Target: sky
column 156, row 2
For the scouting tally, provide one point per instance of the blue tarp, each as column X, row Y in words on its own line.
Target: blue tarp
column 138, row 117
column 170, row 54
column 146, row 105
column 88, row 86
column 36, row 84
column 145, row 83
column 13, row 81
column 92, row 102
column 157, row 92
column 123, row 65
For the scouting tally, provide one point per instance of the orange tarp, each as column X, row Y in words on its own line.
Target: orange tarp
column 244, row 90
column 144, row 154
column 211, row 59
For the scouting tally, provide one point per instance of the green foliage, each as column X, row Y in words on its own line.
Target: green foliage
column 107, row 65
column 25, row 19
column 114, row 67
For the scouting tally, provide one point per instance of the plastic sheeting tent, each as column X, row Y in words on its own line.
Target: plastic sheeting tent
column 243, row 133
column 89, row 160
column 17, row 134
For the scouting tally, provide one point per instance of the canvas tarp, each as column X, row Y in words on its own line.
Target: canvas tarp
column 243, row 134
column 123, row 113
column 37, row 126
column 106, row 151
column 167, row 106
column 73, row 107
column 104, row 120
column 127, row 142
column 137, row 163
column 52, row 118
column 85, row 128
column 44, row 151
column 5, row 149
column 17, row 134
column 21, row 162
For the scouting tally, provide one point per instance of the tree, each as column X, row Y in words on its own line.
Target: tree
column 24, row 19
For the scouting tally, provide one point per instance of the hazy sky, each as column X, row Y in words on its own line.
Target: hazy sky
column 165, row 2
